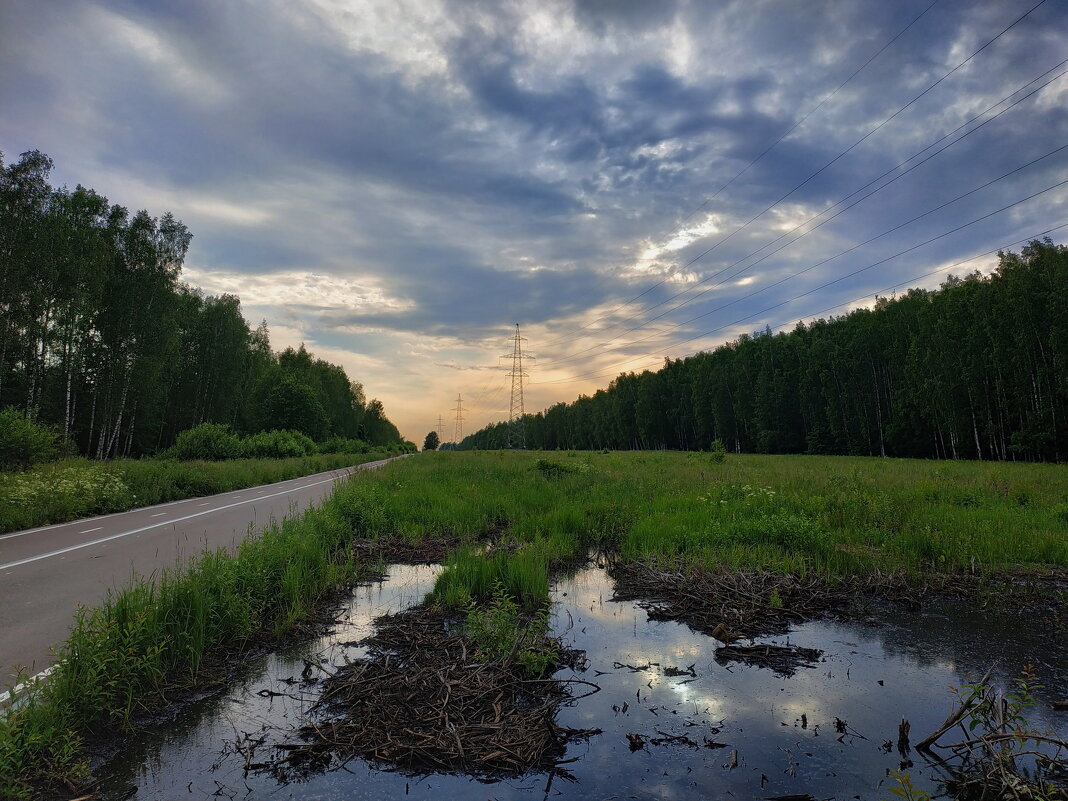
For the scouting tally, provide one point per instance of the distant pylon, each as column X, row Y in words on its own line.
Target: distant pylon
column 459, row 420
column 516, row 429
column 441, row 429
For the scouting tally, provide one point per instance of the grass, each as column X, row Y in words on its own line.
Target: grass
column 125, row 656
column 76, row 488
column 833, row 515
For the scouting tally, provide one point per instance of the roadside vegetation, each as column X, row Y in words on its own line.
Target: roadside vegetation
column 205, row 460
column 128, row 656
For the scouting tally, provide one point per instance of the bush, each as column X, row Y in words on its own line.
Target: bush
column 718, row 451
column 210, row 442
column 24, row 443
column 278, row 445
column 343, row 445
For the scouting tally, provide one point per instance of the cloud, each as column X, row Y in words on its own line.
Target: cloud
column 397, row 183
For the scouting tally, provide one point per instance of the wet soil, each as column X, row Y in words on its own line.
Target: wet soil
column 677, row 718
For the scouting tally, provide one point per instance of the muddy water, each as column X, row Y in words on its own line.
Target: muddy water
column 659, row 681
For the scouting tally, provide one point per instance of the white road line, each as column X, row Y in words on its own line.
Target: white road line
column 18, row 688
column 29, row 559
column 203, row 504
column 158, row 514
column 90, row 529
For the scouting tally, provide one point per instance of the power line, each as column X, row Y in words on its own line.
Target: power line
column 900, row 175
column 818, row 106
column 844, row 277
column 819, row 263
column 823, row 168
column 602, row 372
column 765, row 152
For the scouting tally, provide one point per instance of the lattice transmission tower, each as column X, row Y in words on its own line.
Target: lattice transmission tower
column 459, row 431
column 516, row 429
column 441, row 430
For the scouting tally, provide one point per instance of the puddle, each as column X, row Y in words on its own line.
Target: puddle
column 660, row 681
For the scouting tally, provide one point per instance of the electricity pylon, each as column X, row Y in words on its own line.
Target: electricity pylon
column 441, row 429
column 516, row 429
column 459, row 435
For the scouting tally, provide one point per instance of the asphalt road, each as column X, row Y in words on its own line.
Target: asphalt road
column 46, row 573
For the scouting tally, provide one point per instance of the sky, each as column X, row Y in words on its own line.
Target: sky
column 396, row 184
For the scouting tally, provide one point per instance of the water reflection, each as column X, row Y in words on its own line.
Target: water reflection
column 659, row 680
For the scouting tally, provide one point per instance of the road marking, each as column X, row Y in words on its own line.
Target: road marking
column 203, row 504
column 159, row 514
column 90, row 529
column 29, row 559
column 18, row 688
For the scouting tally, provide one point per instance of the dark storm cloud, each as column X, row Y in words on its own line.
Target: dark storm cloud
column 478, row 163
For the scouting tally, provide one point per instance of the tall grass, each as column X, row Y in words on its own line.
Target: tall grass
column 125, row 656
column 832, row 514
column 75, row 488
column 472, row 576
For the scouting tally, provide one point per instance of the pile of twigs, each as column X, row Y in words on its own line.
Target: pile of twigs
column 420, row 701
column 397, row 550
column 998, row 754
column 727, row 605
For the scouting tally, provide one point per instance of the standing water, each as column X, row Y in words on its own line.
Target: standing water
column 696, row 727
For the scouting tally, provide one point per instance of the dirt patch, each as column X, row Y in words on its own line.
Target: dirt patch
column 420, row 701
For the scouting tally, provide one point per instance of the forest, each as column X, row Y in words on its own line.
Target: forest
column 973, row 370
column 100, row 339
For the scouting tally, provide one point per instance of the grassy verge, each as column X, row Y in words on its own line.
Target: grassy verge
column 75, row 488
column 831, row 516
column 124, row 657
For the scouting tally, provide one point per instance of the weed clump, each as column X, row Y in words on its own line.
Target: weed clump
column 501, row 633
column 551, row 469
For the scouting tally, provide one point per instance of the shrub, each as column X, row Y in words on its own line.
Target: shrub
column 24, row 443
column 343, row 445
column 718, row 451
column 278, row 445
column 554, row 469
column 208, row 441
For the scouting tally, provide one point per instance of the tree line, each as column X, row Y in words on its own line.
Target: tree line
column 100, row 339
column 973, row 370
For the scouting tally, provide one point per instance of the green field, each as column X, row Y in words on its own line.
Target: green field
column 831, row 515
